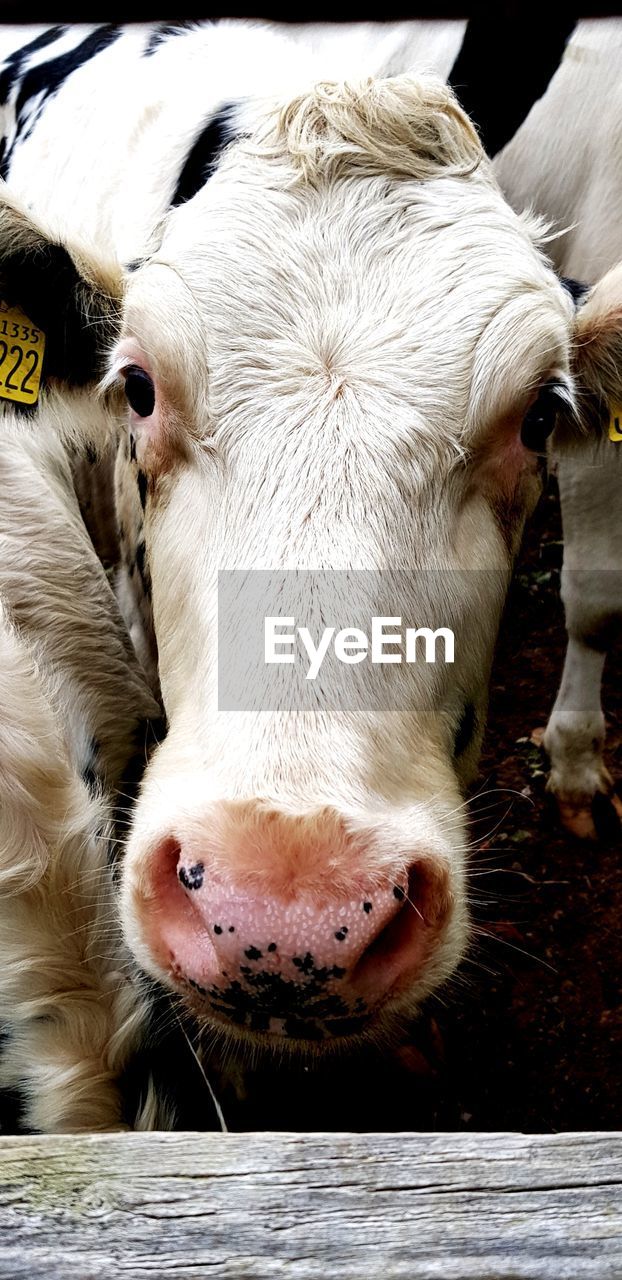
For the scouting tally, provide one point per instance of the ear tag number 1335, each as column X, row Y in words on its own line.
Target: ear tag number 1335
column 21, row 356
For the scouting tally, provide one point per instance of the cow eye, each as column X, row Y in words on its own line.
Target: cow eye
column 539, row 421
column 139, row 391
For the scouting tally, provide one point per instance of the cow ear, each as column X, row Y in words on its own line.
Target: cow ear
column 597, row 356
column 64, row 291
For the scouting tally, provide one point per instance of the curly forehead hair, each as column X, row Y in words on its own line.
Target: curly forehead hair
column 406, row 126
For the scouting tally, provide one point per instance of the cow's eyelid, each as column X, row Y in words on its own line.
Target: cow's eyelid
column 557, row 387
column 552, row 398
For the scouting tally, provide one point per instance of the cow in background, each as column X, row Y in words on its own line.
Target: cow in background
column 572, row 176
column 76, row 719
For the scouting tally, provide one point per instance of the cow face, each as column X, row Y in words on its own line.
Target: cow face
column 345, row 355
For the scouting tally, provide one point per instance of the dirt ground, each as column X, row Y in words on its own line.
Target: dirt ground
column 529, row 1035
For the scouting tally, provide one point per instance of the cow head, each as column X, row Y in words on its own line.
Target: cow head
column 345, row 353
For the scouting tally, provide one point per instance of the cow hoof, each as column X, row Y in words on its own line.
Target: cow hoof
column 595, row 818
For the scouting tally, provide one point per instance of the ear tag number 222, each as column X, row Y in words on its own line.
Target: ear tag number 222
column 21, row 356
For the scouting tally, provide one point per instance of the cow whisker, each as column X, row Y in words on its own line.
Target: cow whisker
column 217, row 1106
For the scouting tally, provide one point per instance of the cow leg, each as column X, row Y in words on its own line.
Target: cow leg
column 592, row 596
column 574, row 740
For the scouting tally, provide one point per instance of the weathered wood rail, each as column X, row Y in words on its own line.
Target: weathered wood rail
column 312, row 1207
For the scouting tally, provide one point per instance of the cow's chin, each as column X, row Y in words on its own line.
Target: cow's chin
column 278, row 998
column 384, row 1026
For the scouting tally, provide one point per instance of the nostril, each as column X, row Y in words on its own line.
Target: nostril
column 167, row 859
column 400, row 947
column 388, row 941
column 173, row 920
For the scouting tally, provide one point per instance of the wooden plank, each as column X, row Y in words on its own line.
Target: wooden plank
column 311, row 1206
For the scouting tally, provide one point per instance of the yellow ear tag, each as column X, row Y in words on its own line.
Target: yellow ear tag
column 615, row 423
column 21, row 356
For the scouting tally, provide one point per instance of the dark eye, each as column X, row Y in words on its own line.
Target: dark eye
column 539, row 421
column 139, row 391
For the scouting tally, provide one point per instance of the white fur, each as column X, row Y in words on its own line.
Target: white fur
column 68, row 998
column 322, row 405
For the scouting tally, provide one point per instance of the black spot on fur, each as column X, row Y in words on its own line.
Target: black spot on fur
column 465, row 729
column 43, row 81
column 142, row 489
column 143, row 568
column 90, row 779
column 192, row 878
column 163, row 32
column 367, row 906
column 203, row 155
column 272, row 946
column 90, row 775
column 217, row 928
column 132, row 444
column 147, row 735
column 576, row 288
column 16, row 60
column 252, row 953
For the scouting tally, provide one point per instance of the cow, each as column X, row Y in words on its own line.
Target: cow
column 296, row 297
column 76, row 710
column 574, row 179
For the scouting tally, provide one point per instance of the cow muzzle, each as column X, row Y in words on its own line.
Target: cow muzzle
column 278, row 927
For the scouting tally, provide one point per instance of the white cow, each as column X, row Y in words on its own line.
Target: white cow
column 74, row 711
column 573, row 176
column 342, row 352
